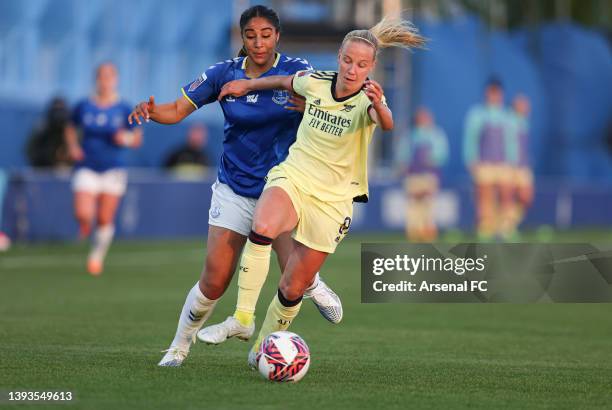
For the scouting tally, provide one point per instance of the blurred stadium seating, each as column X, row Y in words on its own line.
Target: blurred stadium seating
column 51, row 48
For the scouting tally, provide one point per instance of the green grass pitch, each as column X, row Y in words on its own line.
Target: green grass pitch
column 101, row 338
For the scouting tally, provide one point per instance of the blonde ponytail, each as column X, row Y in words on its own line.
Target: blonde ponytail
column 389, row 32
column 397, row 33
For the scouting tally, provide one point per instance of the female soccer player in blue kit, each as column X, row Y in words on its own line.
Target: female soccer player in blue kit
column 258, row 132
column 100, row 178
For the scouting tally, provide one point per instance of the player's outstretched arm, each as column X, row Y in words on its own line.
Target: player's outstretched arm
column 72, row 142
column 169, row 113
column 379, row 112
column 238, row 88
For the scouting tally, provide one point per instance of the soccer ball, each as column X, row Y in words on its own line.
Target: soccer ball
column 283, row 357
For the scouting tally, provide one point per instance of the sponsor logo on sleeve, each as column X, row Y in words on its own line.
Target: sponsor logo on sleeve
column 303, row 73
column 199, row 81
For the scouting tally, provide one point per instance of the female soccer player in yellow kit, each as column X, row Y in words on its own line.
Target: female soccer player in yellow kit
column 311, row 193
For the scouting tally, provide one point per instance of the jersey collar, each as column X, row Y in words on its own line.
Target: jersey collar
column 276, row 60
column 333, row 91
column 115, row 100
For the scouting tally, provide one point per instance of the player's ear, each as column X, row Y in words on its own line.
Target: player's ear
column 372, row 67
column 374, row 59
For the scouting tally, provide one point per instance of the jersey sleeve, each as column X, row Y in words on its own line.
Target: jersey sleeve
column 368, row 105
column 439, row 146
column 470, row 136
column 301, row 64
column 511, row 131
column 301, row 82
column 205, row 89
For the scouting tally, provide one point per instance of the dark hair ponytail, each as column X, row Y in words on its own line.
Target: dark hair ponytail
column 258, row 11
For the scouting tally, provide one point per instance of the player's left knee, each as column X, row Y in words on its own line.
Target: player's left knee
column 265, row 229
column 103, row 220
column 291, row 291
column 212, row 290
column 289, row 297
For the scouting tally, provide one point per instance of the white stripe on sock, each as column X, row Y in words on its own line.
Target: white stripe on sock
column 198, row 307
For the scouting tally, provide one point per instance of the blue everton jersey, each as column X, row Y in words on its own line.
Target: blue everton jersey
column 258, row 128
column 99, row 126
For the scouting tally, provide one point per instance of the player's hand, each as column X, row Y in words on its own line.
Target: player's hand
column 126, row 138
column 374, row 92
column 298, row 103
column 75, row 153
column 236, row 88
column 142, row 111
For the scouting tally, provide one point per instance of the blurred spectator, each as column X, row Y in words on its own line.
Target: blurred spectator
column 420, row 156
column 46, row 146
column 191, row 158
column 522, row 173
column 490, row 151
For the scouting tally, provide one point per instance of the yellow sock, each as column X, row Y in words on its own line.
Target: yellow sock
column 245, row 318
column 278, row 317
column 254, row 266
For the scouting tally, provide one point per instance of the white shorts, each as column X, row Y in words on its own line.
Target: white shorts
column 229, row 210
column 113, row 181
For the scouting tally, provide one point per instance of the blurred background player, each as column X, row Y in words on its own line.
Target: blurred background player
column 100, row 177
column 489, row 151
column 258, row 131
column 191, row 158
column 421, row 155
column 522, row 174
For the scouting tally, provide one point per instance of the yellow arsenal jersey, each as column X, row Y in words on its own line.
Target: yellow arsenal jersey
column 329, row 157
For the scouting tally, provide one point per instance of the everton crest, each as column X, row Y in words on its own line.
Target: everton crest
column 280, row 97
